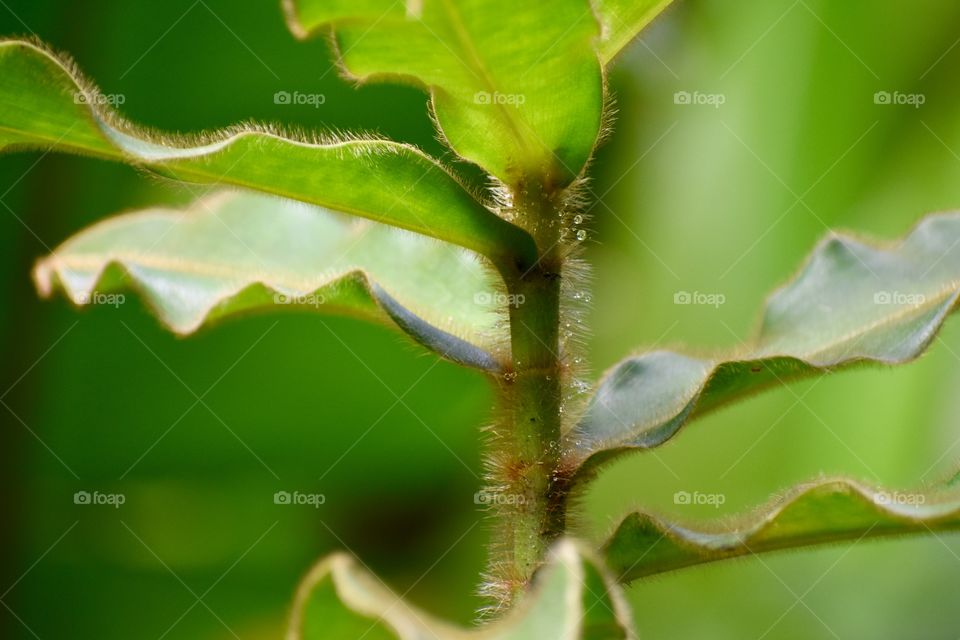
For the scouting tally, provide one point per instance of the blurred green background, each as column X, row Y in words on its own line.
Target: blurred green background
column 724, row 199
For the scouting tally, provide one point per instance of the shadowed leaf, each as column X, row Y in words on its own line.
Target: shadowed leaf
column 236, row 253
column 828, row 511
column 852, row 303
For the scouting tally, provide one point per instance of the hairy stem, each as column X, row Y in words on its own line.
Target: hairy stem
column 527, row 451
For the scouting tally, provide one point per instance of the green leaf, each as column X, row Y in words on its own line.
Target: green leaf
column 827, row 511
column 516, row 86
column 852, row 303
column 623, row 20
column 572, row 598
column 45, row 104
column 236, row 253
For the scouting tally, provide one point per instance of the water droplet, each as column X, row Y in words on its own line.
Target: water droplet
column 578, row 220
column 582, row 235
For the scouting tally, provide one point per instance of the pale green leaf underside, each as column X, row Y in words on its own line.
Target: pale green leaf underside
column 851, row 303
column 572, row 599
column 623, row 20
column 235, row 253
column 517, row 86
column 824, row 512
column 44, row 104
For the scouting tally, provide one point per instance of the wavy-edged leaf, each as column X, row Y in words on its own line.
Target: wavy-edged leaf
column 823, row 512
column 572, row 598
column 234, row 253
column 623, row 20
column 517, row 87
column 44, row 103
column 852, row 303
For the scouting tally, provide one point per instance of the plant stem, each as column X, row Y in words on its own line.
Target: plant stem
column 536, row 400
column 527, row 450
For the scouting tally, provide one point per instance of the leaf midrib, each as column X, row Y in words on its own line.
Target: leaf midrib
column 480, row 70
